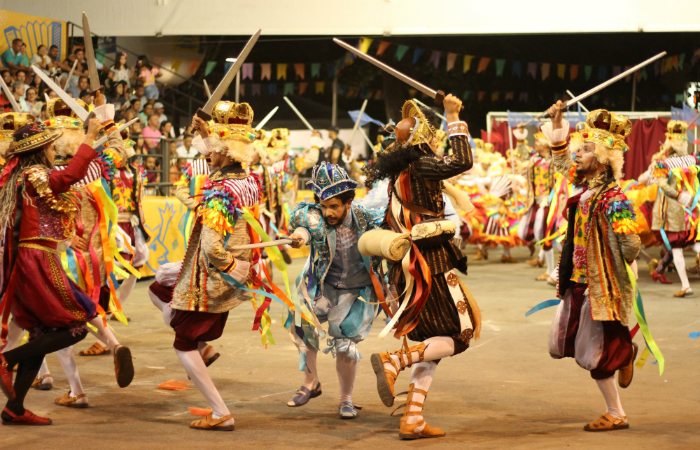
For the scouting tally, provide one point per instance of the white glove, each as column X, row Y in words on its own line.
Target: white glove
column 685, row 198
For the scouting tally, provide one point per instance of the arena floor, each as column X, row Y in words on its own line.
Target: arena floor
column 504, row 392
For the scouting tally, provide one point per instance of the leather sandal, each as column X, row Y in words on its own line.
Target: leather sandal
column 303, row 396
column 97, row 349
column 624, row 375
column 407, row 431
column 211, row 424
column 123, row 366
column 543, row 277
column 209, row 361
column 387, row 378
column 6, row 379
column 346, row 410
column 687, row 292
column 37, row 383
column 28, row 418
column 607, row 423
column 71, row 402
column 508, row 259
column 535, row 262
column 480, row 255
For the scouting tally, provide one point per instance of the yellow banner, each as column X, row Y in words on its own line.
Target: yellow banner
column 165, row 222
column 34, row 31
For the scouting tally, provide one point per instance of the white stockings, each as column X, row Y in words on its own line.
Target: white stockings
column 608, row 387
column 347, row 369
column 197, row 371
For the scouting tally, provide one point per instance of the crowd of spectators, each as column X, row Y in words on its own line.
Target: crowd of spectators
column 132, row 90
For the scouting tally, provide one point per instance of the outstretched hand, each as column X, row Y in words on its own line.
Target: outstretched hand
column 556, row 112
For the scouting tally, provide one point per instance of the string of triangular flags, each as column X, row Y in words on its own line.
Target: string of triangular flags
column 307, row 88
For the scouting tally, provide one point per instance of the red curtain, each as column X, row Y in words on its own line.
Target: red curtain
column 645, row 140
column 500, row 145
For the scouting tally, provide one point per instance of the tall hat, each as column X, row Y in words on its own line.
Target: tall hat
column 414, row 129
column 32, row 137
column 233, row 121
column 607, row 128
column 676, row 130
column 61, row 116
column 329, row 180
column 12, row 121
column 520, row 133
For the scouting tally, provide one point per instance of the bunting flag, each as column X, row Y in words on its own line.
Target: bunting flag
column 320, row 87
column 451, row 59
column 500, row 65
column 510, row 95
column 657, row 67
column 532, row 70
column 573, row 72
column 561, row 70
column 681, row 58
column 247, row 71
column 302, row 87
column 331, row 68
column 316, row 70
column 210, row 67
column 288, row 88
column 417, row 54
column 483, row 64
column 265, row 71
column 272, row 89
column 494, row 96
column 617, row 70
column 255, row 89
column 602, row 73
column 299, row 71
column 400, row 52
column 481, row 95
column 383, row 45
column 466, row 95
column 364, row 44
column 588, row 71
column 192, row 67
column 435, row 58
column 175, row 66
column 281, row 71
column 545, row 70
column 467, row 63
column 674, row 62
column 523, row 97
column 517, row 69
column 241, row 91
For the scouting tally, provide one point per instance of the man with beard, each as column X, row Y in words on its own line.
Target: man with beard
column 335, row 278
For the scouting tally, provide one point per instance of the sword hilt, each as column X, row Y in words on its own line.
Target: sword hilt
column 100, row 89
column 203, row 115
column 440, row 98
column 547, row 116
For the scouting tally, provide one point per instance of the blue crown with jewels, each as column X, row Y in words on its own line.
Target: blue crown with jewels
column 329, row 180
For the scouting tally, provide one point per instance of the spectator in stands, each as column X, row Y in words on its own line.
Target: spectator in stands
column 150, row 166
column 118, row 94
column 80, row 70
column 6, row 76
column 41, row 58
column 86, row 96
column 120, row 71
column 160, row 110
column 128, row 115
column 32, row 103
column 176, row 171
column 13, row 58
column 147, row 75
column 186, row 150
column 36, row 83
column 135, row 128
column 18, row 92
column 135, row 106
column 5, row 105
column 53, row 55
column 337, row 147
column 82, row 85
column 172, row 148
column 21, row 75
column 44, row 113
column 166, row 129
column 139, row 148
column 139, row 94
column 146, row 112
column 152, row 134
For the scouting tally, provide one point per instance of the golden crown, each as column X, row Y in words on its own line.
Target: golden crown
column 12, row 122
column 607, row 128
column 58, row 108
column 279, row 137
column 414, row 129
column 233, row 121
column 677, row 129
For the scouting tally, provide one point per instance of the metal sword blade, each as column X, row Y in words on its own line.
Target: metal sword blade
column 67, row 99
column 90, row 55
column 9, row 96
column 267, row 118
column 410, row 81
column 103, row 139
column 357, row 122
column 206, row 89
column 228, row 78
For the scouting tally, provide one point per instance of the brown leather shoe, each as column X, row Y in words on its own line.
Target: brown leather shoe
column 71, row 402
column 535, row 262
column 123, row 366
column 210, row 424
column 37, row 384
column 480, row 255
column 508, row 259
column 97, row 349
column 544, row 277
column 624, row 375
column 607, row 423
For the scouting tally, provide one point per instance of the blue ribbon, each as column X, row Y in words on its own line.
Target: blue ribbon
column 695, row 335
column 544, row 305
column 70, row 257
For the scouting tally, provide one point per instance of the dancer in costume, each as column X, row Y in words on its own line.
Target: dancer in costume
column 668, row 216
column 436, row 308
column 533, row 225
column 196, row 298
column 591, row 322
column 335, row 277
column 39, row 211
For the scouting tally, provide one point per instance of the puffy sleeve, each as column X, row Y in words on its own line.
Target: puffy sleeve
column 620, row 214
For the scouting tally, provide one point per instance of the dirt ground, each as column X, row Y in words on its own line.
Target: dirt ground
column 504, row 392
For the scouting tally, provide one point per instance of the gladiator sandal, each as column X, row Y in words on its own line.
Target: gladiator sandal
column 607, row 423
column 96, row 350
column 71, row 401
column 408, row 430
column 387, row 378
column 37, row 384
